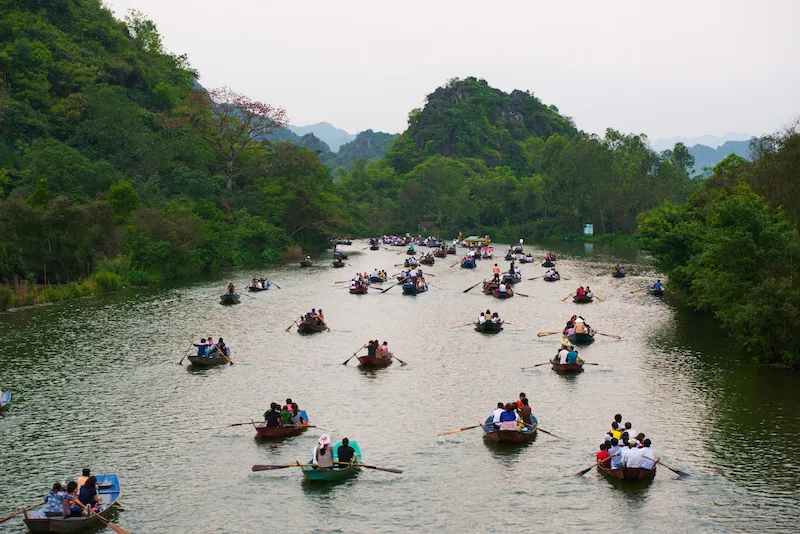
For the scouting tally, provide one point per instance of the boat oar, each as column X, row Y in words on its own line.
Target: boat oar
column 637, row 290
column 565, row 298
column 534, row 278
column 537, row 365
column 397, row 284
column 676, row 471
column 610, row 335
column 223, row 354
column 21, row 511
column 276, row 285
column 471, row 288
column 537, row 427
column 387, row 469
column 398, row 359
column 191, row 344
column 353, row 356
column 459, row 430
column 282, row 466
column 544, row 334
column 291, row 325
column 342, row 282
column 598, row 299
column 584, row 471
column 106, row 522
column 521, row 294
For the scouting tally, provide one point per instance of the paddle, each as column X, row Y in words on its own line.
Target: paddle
column 537, row 427
column 534, row 278
column 282, row 466
column 354, row 355
column 637, row 290
column 456, row 263
column 342, row 282
column 532, row 366
column 610, row 335
column 565, row 298
column 584, row 471
column 397, row 284
column 398, row 359
column 21, row 511
column 106, row 522
column 460, row 430
column 544, row 334
column 521, row 294
column 191, row 344
column 291, row 325
column 676, row 471
column 223, row 354
column 387, row 469
column 599, row 299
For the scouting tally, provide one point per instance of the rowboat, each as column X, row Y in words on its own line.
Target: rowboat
column 374, row 361
column 408, row 264
column 628, row 473
column 5, row 400
column 343, row 242
column 525, row 435
column 376, row 280
column 306, row 263
column 440, row 253
column 490, row 287
column 339, row 255
column 507, row 295
column 526, row 260
column 554, row 278
column 509, row 278
column 581, row 339
column 374, row 247
column 451, row 250
column 410, row 289
column 620, row 274
column 338, row 264
column 427, row 260
column 255, row 289
column 488, row 327
column 336, row 474
column 582, row 299
column 411, row 252
column 548, row 263
column 655, row 292
column 310, row 328
column 108, row 490
column 228, row 299
column 204, row 362
column 567, row 368
column 467, row 263
column 264, row 431
column 359, row 290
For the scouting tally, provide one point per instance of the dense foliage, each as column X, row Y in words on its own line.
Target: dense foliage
column 110, row 160
column 730, row 249
column 480, row 160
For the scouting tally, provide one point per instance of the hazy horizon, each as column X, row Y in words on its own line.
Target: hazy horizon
column 668, row 69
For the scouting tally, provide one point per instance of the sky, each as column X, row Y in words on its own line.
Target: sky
column 665, row 68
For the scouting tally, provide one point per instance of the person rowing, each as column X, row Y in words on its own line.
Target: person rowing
column 322, row 457
column 273, row 415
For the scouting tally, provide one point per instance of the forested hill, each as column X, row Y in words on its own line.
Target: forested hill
column 112, row 164
column 706, row 157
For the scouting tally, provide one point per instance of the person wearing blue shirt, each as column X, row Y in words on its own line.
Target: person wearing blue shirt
column 572, row 355
column 657, row 286
column 615, row 454
column 201, row 347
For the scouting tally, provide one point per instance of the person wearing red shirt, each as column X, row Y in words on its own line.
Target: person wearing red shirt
column 602, row 457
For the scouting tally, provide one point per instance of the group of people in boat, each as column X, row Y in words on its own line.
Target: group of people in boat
column 208, row 349
column 567, row 355
column 416, row 277
column 513, row 415
column 550, row 257
column 260, row 283
column 231, row 289
column 584, row 292
column 620, row 269
column 288, row 415
column 624, row 447
column 72, row 500
column 552, row 274
column 412, row 262
column 577, row 325
column 322, row 457
column 490, row 317
column 377, row 350
column 513, row 271
column 313, row 317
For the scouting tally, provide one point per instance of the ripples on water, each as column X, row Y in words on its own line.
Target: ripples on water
column 96, row 384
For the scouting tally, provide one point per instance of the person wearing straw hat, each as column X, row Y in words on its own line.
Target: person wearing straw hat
column 323, row 453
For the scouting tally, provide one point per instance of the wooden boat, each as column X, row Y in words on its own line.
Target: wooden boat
column 468, row 263
column 264, row 431
column 548, row 263
column 526, row 260
column 204, row 362
column 655, row 292
column 490, row 287
column 374, row 247
column 620, row 274
column 488, row 327
column 554, row 278
column 628, row 473
column 411, row 252
column 582, row 299
column 339, row 255
column 343, row 242
column 440, row 253
column 5, row 400
column 581, row 339
column 427, row 260
column 408, row 264
column 306, row 263
column 362, row 290
column 338, row 264
column 376, row 280
column 256, row 289
column 310, row 328
column 227, row 299
column 451, row 250
column 507, row 295
column 374, row 361
column 108, row 490
column 336, row 474
column 567, row 368
column 525, row 435
column 509, row 278
column 410, row 289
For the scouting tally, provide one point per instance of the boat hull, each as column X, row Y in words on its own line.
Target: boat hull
column 359, row 291
column 468, row 264
column 548, row 264
column 618, row 274
column 488, row 327
column 409, row 289
column 305, row 263
column 628, row 474
column 376, row 280
column 369, row 361
column 506, row 295
column 228, row 300
column 264, row 431
column 305, row 328
column 109, row 491
column 552, row 279
column 515, row 437
column 581, row 339
column 5, row 400
column 655, row 292
column 567, row 368
column 582, row 299
column 204, row 362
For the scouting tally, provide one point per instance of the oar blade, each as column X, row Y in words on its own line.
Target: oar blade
column 274, row 467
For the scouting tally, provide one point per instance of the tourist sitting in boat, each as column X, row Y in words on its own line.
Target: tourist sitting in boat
column 323, row 453
column 615, row 431
column 509, row 419
column 273, row 415
column 231, row 290
column 525, row 411
column 495, row 318
column 88, row 494
column 588, row 291
column 657, row 286
column 297, row 418
column 56, row 501
column 254, row 283
column 346, row 454
column 385, row 352
column 627, row 428
column 201, row 347
column 615, row 454
column 529, row 258
column 503, row 288
column 572, row 355
column 561, row 355
column 497, row 411
column 618, row 420
column 581, row 292
column 633, row 457
column 648, row 456
column 602, row 456
column 372, row 348
column 482, row 318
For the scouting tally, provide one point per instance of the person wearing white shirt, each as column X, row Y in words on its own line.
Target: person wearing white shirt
column 376, row 274
column 502, row 288
column 647, row 452
column 482, row 318
column 497, row 411
column 562, row 355
column 632, row 458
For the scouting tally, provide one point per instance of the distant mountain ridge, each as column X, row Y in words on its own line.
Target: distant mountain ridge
column 332, row 136
column 712, row 141
column 706, row 156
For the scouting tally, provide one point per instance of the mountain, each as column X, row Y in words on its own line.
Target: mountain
column 467, row 118
column 705, row 156
column 712, row 141
column 367, row 145
column 334, row 137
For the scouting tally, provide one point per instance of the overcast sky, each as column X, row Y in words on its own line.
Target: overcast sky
column 661, row 67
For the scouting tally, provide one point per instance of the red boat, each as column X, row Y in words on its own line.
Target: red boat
column 451, row 250
column 371, row 361
column 490, row 287
column 567, row 368
column 507, row 295
column 629, row 473
column 278, row 431
column 359, row 290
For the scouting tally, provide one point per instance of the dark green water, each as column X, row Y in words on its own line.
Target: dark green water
column 96, row 384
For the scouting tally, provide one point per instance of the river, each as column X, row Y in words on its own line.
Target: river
column 97, row 384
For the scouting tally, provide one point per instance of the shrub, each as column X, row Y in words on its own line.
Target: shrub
column 107, row 281
column 6, row 297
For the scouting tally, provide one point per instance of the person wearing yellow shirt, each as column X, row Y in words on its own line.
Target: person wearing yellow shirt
column 615, row 432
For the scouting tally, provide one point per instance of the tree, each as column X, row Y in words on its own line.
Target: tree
column 229, row 122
